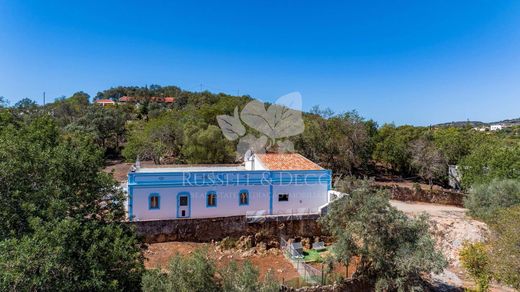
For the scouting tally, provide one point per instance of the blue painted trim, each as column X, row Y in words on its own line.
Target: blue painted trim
column 216, row 201
column 150, row 201
column 130, row 203
column 329, row 185
column 239, row 199
column 250, row 183
column 189, row 204
column 221, row 172
column 212, row 178
column 271, row 199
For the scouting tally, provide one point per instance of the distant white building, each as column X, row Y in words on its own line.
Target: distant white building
column 496, row 127
column 267, row 184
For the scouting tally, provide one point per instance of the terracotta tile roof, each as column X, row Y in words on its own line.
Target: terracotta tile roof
column 169, row 99
column 287, row 161
column 125, row 98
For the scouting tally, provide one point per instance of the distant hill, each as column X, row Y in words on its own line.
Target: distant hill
column 508, row 122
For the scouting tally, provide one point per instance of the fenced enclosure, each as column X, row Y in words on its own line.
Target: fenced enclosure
column 308, row 273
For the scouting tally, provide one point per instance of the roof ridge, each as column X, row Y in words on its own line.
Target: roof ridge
column 309, row 160
column 287, row 161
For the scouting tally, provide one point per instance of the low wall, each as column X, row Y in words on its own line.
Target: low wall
column 443, row 197
column 207, row 229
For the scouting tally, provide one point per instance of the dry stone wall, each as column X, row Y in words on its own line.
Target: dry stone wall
column 443, row 197
column 207, row 229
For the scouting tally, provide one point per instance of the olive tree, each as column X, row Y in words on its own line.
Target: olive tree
column 427, row 160
column 393, row 250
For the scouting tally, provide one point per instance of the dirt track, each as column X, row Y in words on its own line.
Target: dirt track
column 451, row 228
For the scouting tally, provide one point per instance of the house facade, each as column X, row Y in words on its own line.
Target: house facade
column 265, row 185
column 105, row 102
column 497, row 127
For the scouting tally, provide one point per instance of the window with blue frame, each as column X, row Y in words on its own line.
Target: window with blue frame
column 211, row 199
column 243, row 198
column 154, row 201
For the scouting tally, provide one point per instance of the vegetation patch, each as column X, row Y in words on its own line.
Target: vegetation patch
column 312, row 255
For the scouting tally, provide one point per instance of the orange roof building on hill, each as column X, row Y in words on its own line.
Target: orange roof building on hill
column 105, row 102
column 158, row 99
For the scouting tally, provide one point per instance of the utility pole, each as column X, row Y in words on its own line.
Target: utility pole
column 44, row 98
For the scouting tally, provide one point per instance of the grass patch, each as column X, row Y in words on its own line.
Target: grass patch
column 312, row 255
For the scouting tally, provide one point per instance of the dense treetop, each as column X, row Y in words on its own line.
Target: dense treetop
column 186, row 131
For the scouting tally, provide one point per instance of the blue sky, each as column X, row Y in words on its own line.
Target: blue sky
column 408, row 62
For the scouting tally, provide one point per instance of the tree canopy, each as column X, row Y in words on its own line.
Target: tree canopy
column 393, row 250
column 485, row 200
column 61, row 218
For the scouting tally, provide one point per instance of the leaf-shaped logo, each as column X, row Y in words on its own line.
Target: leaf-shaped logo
column 285, row 146
column 250, row 142
column 231, row 127
column 282, row 119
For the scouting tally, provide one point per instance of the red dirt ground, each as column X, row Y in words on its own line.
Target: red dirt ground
column 119, row 169
column 158, row 256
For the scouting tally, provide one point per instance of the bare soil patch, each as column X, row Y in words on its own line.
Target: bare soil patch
column 118, row 169
column 451, row 227
column 158, row 256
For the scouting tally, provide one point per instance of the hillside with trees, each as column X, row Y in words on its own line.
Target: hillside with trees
column 61, row 217
column 345, row 142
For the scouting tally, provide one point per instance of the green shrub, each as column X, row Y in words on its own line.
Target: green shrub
column 198, row 272
column 245, row 278
column 505, row 247
column 485, row 200
column 474, row 258
column 193, row 273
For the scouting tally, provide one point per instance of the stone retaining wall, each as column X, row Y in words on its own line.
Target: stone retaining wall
column 443, row 197
column 205, row 230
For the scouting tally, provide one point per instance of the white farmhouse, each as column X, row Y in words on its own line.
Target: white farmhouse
column 496, row 127
column 266, row 185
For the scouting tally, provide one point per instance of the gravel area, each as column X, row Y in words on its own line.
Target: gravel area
column 451, row 227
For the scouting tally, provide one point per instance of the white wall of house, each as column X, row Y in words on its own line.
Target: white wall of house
column 496, row 127
column 302, row 198
column 257, row 164
column 227, row 201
